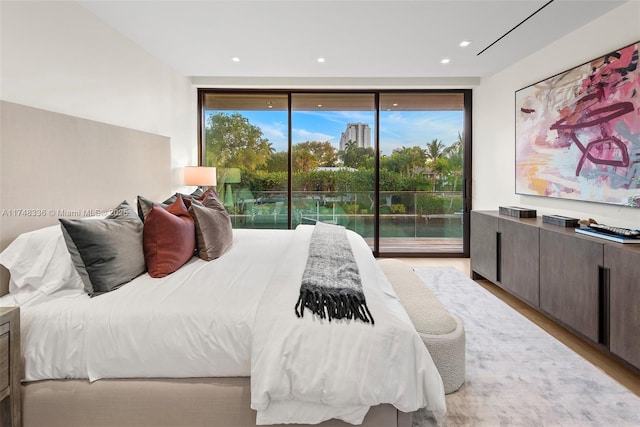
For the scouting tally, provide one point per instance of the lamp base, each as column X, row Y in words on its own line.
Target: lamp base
column 228, row 196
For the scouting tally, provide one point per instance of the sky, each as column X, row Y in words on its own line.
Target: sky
column 397, row 128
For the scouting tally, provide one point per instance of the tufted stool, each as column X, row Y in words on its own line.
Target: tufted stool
column 441, row 332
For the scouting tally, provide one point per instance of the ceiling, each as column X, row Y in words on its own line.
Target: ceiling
column 357, row 38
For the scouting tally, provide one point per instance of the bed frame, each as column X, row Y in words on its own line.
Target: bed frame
column 159, row 402
column 49, row 163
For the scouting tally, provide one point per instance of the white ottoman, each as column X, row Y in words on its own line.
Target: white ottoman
column 441, row 332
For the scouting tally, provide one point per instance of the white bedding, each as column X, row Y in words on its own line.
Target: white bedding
column 234, row 316
column 193, row 323
column 308, row 370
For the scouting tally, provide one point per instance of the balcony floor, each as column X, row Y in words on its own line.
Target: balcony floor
column 418, row 245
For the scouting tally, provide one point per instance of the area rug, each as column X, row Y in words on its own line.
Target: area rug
column 516, row 373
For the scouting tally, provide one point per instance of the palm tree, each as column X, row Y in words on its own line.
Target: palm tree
column 456, row 146
column 435, row 153
column 454, row 155
column 435, row 150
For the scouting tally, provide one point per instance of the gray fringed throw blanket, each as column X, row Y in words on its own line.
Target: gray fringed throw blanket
column 331, row 286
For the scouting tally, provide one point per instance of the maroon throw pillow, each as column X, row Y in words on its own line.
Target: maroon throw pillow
column 168, row 238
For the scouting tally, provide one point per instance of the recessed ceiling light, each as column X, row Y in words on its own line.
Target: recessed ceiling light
column 445, row 61
column 464, row 43
column 235, row 59
column 395, row 104
column 320, row 59
column 319, row 105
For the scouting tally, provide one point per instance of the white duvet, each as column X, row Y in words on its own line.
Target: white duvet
column 195, row 322
column 235, row 316
column 308, row 370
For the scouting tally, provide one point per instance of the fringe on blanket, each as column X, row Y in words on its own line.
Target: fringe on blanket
column 333, row 306
column 331, row 286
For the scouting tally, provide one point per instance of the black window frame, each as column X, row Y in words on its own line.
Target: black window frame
column 467, row 166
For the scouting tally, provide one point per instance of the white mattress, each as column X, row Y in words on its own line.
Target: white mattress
column 195, row 322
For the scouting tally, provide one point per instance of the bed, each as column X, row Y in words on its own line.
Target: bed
column 213, row 343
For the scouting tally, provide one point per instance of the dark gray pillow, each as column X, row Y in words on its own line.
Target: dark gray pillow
column 214, row 234
column 107, row 253
column 144, row 206
column 196, row 193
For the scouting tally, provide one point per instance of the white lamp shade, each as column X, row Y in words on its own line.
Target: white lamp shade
column 200, row 176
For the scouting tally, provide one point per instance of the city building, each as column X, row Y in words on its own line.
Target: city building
column 358, row 132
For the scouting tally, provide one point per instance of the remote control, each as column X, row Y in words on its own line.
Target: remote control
column 618, row 231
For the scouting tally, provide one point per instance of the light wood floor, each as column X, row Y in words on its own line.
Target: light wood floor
column 613, row 368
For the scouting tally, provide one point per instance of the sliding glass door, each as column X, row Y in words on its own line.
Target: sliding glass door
column 246, row 137
column 333, row 160
column 393, row 166
column 421, row 172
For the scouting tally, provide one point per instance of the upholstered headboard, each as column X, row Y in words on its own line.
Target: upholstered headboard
column 53, row 165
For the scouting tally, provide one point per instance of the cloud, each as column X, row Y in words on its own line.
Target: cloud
column 407, row 129
column 275, row 132
column 303, row 135
column 339, row 117
column 397, row 128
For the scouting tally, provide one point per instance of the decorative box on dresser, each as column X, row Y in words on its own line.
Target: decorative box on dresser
column 10, row 367
column 589, row 285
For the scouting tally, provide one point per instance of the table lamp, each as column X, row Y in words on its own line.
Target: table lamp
column 200, row 176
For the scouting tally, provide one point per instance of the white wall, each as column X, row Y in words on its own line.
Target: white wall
column 57, row 56
column 493, row 118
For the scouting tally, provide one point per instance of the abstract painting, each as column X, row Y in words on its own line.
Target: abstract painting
column 578, row 132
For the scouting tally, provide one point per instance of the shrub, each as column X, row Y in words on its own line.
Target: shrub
column 398, row 209
column 351, row 209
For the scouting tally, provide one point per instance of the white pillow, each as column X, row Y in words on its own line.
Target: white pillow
column 40, row 260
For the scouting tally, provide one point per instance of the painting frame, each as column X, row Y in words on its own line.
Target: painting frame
column 577, row 133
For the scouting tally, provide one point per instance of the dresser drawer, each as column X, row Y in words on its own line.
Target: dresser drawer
column 4, row 361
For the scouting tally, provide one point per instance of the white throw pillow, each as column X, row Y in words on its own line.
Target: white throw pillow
column 40, row 260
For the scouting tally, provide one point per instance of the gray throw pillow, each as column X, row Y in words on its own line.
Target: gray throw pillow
column 214, row 234
column 107, row 253
column 196, row 194
column 144, row 206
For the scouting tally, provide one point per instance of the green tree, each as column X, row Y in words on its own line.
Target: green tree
column 234, row 142
column 455, row 157
column 457, row 145
column 408, row 161
column 435, row 150
column 435, row 159
column 303, row 159
column 324, row 152
column 355, row 157
column 278, row 162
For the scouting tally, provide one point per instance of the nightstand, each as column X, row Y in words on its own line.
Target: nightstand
column 10, row 366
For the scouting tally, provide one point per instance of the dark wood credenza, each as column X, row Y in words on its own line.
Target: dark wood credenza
column 589, row 285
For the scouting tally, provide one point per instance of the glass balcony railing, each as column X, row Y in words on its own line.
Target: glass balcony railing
column 404, row 215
